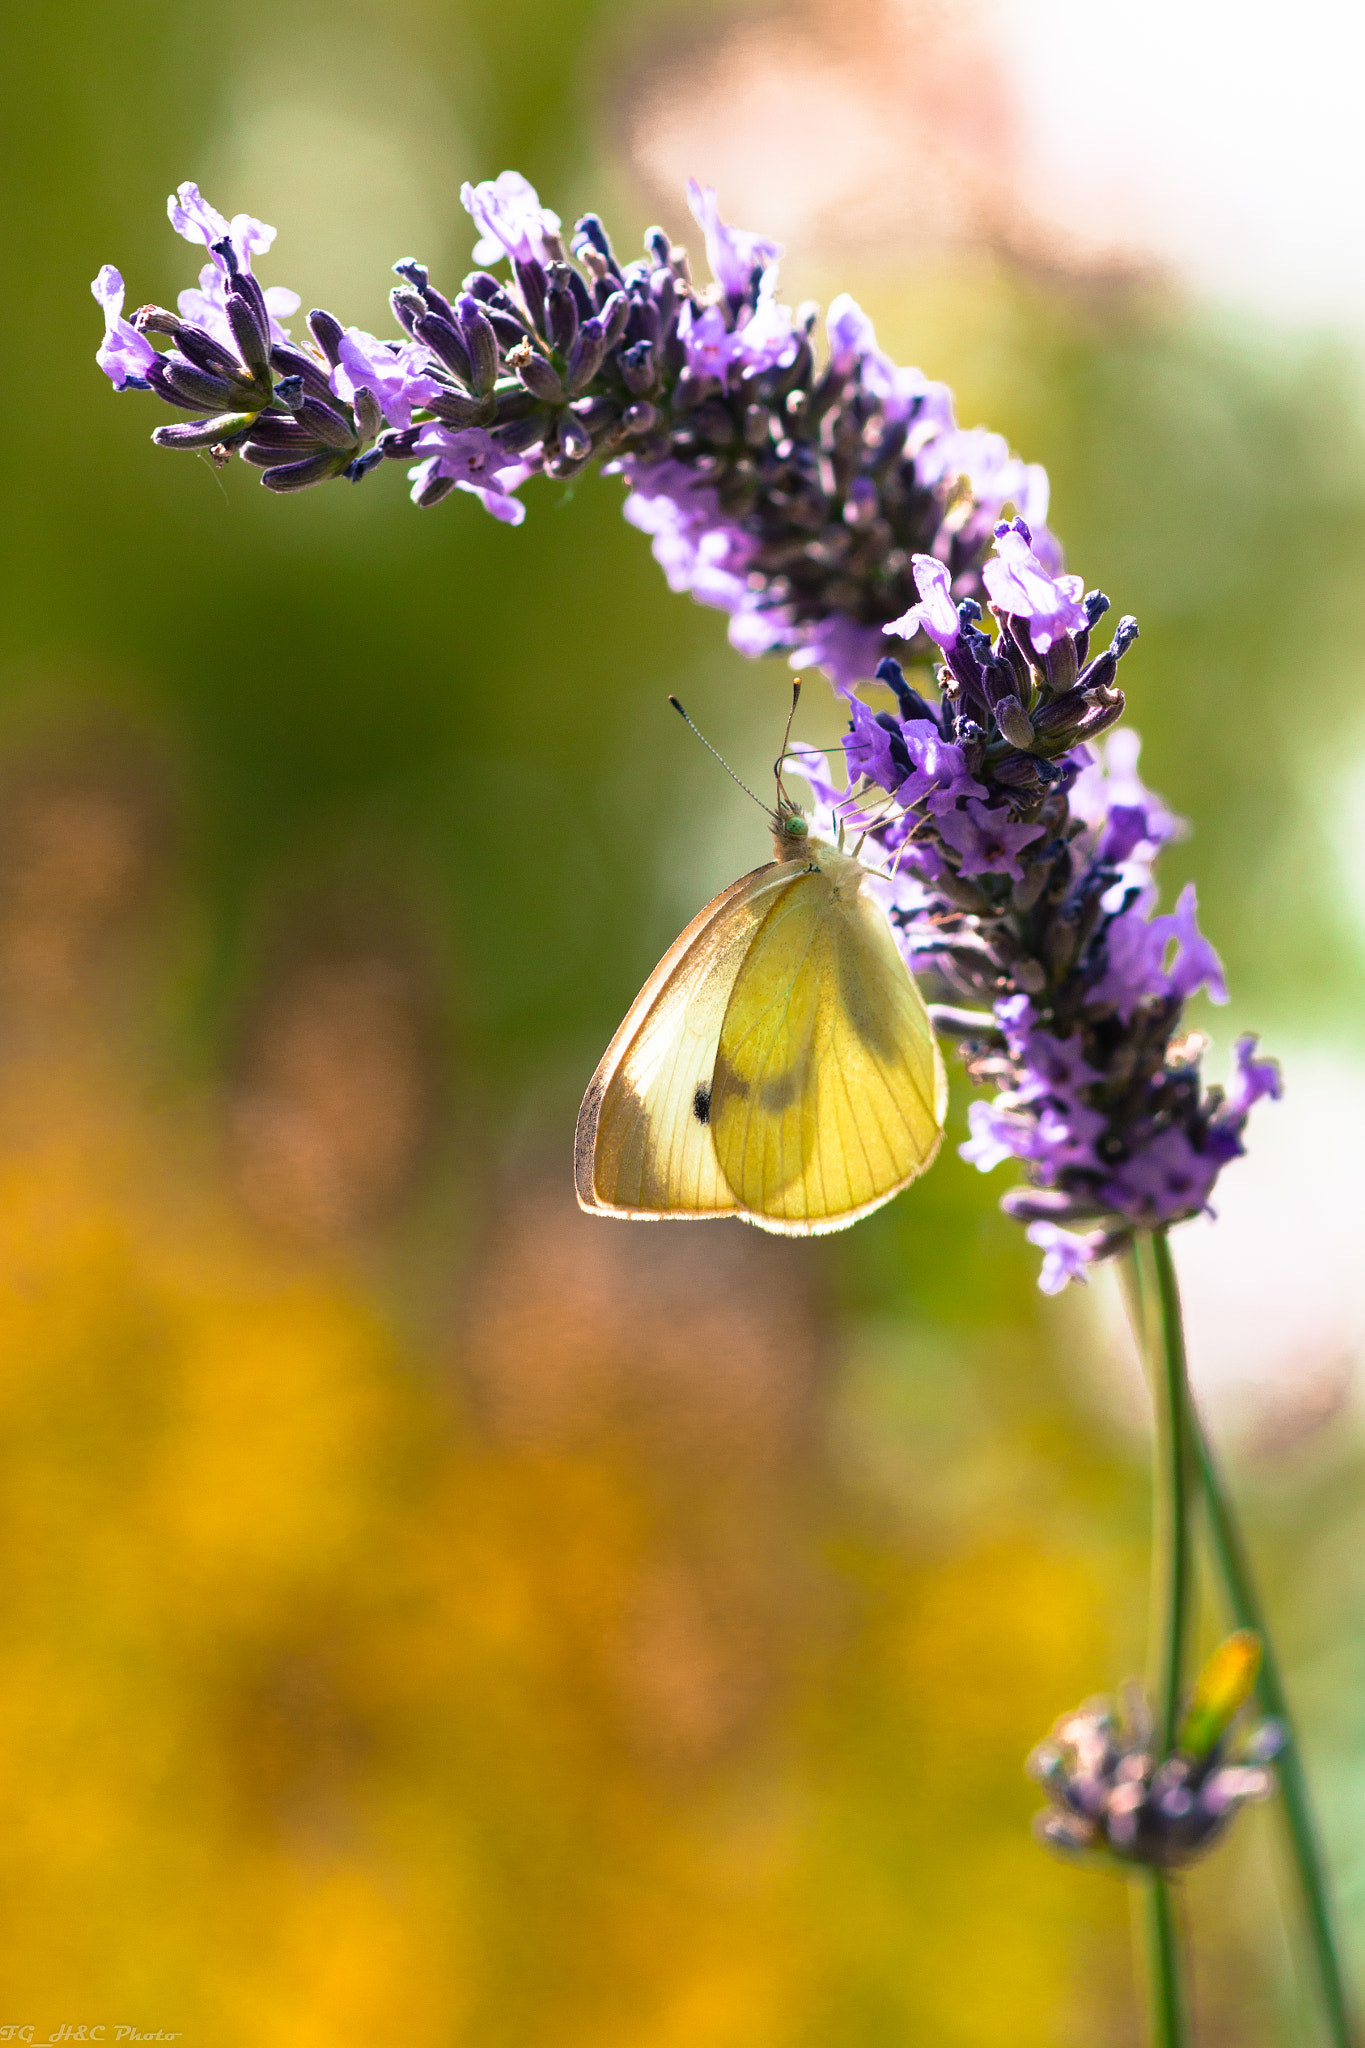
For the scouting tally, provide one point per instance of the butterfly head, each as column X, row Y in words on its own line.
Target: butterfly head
column 792, row 838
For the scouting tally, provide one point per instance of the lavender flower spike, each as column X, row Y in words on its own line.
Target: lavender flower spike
column 1034, row 866
column 789, row 492
column 820, row 505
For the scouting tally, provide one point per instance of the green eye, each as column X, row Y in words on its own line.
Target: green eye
column 795, row 827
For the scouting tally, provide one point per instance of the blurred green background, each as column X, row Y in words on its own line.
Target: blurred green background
column 428, row 1616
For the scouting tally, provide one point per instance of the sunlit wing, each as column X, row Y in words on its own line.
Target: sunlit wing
column 829, row 1091
column 643, row 1144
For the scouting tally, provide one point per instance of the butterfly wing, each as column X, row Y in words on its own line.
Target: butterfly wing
column 643, row 1144
column 829, row 1090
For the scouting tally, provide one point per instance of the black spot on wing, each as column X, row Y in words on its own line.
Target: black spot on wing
column 701, row 1104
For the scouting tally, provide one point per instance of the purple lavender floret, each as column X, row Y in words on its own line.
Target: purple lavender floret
column 1023, row 853
column 125, row 356
column 788, row 491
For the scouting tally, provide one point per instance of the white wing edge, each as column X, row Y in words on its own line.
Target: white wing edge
column 585, row 1133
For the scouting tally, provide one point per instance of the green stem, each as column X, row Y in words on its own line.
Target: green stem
column 1174, row 1439
column 1305, row 1851
column 1245, row 1607
column 1171, row 1565
column 1169, row 2026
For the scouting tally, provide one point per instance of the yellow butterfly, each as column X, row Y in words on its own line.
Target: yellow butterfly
column 778, row 1065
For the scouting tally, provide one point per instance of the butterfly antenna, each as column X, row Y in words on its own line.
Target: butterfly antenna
column 784, row 801
column 719, row 756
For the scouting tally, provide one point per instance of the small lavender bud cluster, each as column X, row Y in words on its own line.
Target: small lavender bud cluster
column 1112, row 1795
column 1022, row 862
column 787, row 490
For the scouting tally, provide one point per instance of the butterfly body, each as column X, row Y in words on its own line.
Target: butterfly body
column 778, row 1065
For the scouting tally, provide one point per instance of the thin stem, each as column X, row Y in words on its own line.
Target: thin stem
column 1304, row 1848
column 1169, row 2025
column 1171, row 1568
column 1174, row 1495
column 1244, row 1605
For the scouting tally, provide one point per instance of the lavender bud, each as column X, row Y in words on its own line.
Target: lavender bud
column 614, row 314
column 514, row 402
column 481, row 343
column 205, row 353
column 446, row 344
column 637, row 369
column 1059, row 663
column 417, row 274
column 292, row 364
column 174, row 379
column 289, row 393
column 977, row 1025
column 458, row 411
column 408, row 307
column 589, row 234
column 1102, row 716
column 299, row 476
column 520, row 436
column 369, row 415
column 1013, row 722
column 157, row 320
column 1063, row 714
column 328, row 333
column 664, row 292
column 1099, row 673
column 509, row 328
column 203, row 433
column 540, row 378
column 561, row 308
column 585, row 357
column 398, row 444
column 272, row 431
column 250, row 324
column 325, row 424
column 433, row 490
column 596, row 414
column 640, row 417
column 531, row 278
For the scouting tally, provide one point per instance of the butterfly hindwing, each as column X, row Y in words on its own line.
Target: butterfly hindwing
column 829, row 1091
column 643, row 1145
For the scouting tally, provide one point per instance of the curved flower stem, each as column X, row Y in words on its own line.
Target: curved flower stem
column 1244, row 1605
column 1171, row 1511
column 1165, row 1991
column 1173, row 1437
column 1305, row 1852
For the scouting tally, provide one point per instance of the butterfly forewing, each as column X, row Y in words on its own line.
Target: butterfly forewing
column 829, row 1089
column 643, row 1146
